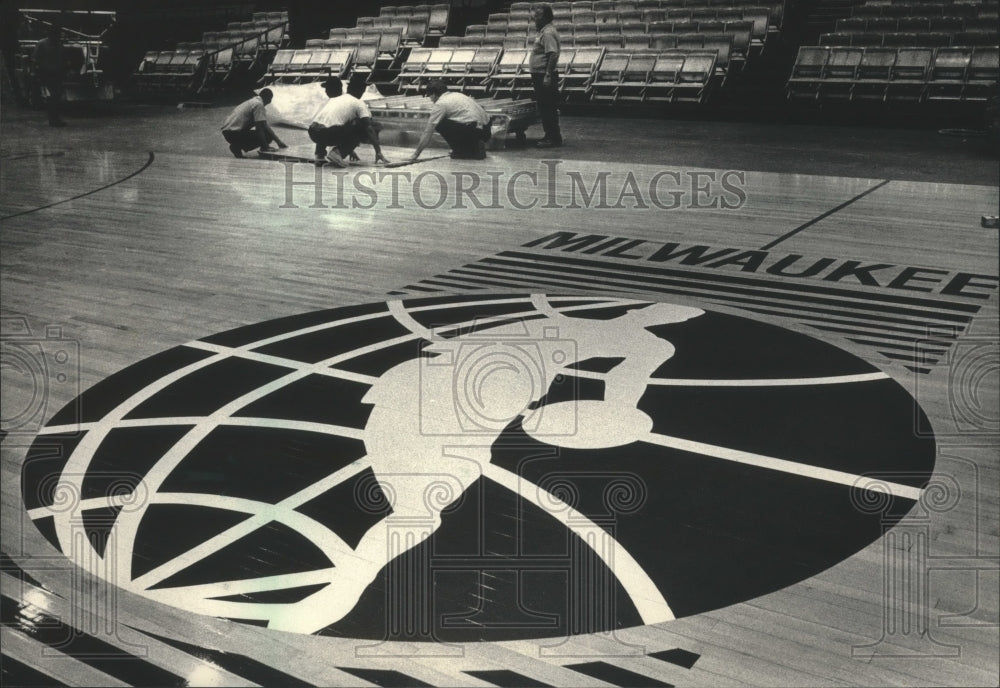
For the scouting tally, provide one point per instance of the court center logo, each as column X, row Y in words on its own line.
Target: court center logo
column 468, row 468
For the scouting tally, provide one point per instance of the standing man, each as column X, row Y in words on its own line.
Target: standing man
column 246, row 128
column 50, row 70
column 343, row 123
column 460, row 120
column 544, row 56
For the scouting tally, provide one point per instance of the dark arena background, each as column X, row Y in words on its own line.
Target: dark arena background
column 705, row 396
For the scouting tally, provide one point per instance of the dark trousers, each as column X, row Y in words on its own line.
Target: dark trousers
column 344, row 137
column 53, row 85
column 246, row 139
column 547, row 100
column 463, row 139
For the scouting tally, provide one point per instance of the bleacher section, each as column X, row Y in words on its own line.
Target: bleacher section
column 208, row 63
column 374, row 48
column 667, row 50
column 890, row 50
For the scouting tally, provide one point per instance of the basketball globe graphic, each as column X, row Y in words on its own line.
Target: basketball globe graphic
column 466, row 468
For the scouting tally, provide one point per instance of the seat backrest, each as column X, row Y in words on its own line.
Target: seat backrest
column 876, row 63
column 512, row 59
column 475, row 30
column 664, row 42
column 613, row 64
column 586, row 58
column 667, row 67
column 760, row 17
column 810, row 60
column 687, row 41
column 843, row 62
column 438, row 21
column 723, row 47
column 639, row 65
column 985, row 63
column 912, row 63
column 416, row 30
column 485, row 58
column 950, row 63
column 698, row 67
column 636, row 42
column 566, row 56
column 460, row 59
column 417, row 60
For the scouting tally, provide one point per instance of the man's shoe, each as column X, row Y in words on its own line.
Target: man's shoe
column 548, row 143
column 236, row 150
column 334, row 158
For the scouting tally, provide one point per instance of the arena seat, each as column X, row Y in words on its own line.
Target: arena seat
column 663, row 77
column 983, row 73
column 948, row 73
column 365, row 22
column 635, row 78
column 694, row 78
column 841, row 72
column 437, row 22
column 416, row 31
column 908, row 79
column 455, row 70
column 578, row 74
column 511, row 65
column 873, row 74
column 608, row 75
column 807, row 72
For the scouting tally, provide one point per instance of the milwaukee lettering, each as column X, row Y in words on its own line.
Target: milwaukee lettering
column 927, row 280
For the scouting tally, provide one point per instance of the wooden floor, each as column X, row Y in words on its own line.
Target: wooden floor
column 116, row 254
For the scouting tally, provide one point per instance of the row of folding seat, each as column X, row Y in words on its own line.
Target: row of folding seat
column 916, row 40
column 437, row 16
column 916, row 24
column 465, row 69
column 603, row 5
column 311, row 64
column 389, row 41
column 938, row 9
column 651, row 76
column 915, row 74
column 674, row 75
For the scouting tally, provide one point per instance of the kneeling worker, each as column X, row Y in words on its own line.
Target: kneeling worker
column 460, row 120
column 342, row 123
column 246, row 128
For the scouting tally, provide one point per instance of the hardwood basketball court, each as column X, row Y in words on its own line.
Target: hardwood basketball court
column 809, row 523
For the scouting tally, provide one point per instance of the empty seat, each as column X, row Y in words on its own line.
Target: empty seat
column 947, row 75
column 635, row 78
column 908, row 79
column 840, row 73
column 663, row 77
column 982, row 74
column 579, row 73
column 608, row 75
column 807, row 72
column 694, row 77
column 873, row 74
column 835, row 39
column 437, row 22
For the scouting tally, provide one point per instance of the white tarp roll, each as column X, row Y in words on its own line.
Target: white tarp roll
column 295, row 104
